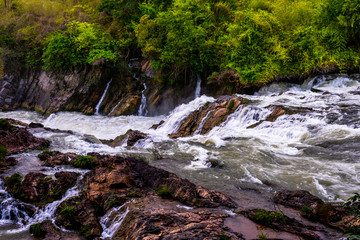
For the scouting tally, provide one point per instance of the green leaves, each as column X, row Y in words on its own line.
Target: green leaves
column 81, row 43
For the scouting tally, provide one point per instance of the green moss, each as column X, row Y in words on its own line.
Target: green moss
column 133, row 194
column 87, row 162
column 68, row 212
column 164, row 192
column 3, row 152
column 4, row 124
column 307, row 212
column 230, row 106
column 45, row 154
column 86, row 232
column 262, row 236
column 36, row 230
column 13, row 184
column 267, row 217
column 223, row 236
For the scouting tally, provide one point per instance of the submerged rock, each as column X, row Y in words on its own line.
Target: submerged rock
column 209, row 116
column 130, row 138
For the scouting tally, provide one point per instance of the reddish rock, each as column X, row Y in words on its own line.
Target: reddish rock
column 52, row 159
column 297, row 199
column 209, row 116
column 17, row 139
column 277, row 112
column 38, row 188
column 50, row 232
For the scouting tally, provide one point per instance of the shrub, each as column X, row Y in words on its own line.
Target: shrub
column 36, row 230
column 164, row 192
column 87, row 162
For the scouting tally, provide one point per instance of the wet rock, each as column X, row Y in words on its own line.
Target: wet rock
column 315, row 209
column 209, row 116
column 6, row 162
column 17, row 139
column 78, row 213
column 146, row 220
column 130, row 138
column 297, row 199
column 38, row 188
column 51, row 159
column 48, row 231
column 156, row 126
column 35, row 125
column 277, row 112
column 279, row 221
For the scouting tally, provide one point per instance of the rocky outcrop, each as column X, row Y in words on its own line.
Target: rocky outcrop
column 279, row 221
column 162, row 220
column 209, row 116
column 315, row 209
column 81, row 214
column 38, row 188
column 47, row 230
column 17, row 139
column 130, row 138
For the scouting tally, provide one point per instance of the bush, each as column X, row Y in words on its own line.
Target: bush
column 164, row 192
column 81, row 43
column 86, row 162
column 36, row 230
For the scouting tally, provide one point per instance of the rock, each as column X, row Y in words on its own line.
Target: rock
column 156, row 126
column 51, row 159
column 297, row 199
column 209, row 116
column 35, row 125
column 78, row 213
column 315, row 209
column 38, row 188
column 279, row 221
column 6, row 162
column 17, row 139
column 130, row 138
column 277, row 112
column 147, row 220
column 50, row 232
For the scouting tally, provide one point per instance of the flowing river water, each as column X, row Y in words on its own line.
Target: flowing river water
column 315, row 146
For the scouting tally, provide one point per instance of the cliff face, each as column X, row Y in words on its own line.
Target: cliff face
column 82, row 89
column 78, row 90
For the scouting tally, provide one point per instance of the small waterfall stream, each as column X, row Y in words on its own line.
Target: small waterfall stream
column 97, row 108
column 142, row 109
column 198, row 86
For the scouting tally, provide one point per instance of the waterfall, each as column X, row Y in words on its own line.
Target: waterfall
column 112, row 220
column 142, row 110
column 198, row 86
column 102, row 98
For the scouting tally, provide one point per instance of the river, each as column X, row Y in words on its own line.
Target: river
column 315, row 146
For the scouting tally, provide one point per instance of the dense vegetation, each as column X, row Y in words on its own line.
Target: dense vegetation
column 259, row 39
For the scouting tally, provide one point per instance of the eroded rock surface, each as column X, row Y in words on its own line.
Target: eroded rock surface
column 209, row 116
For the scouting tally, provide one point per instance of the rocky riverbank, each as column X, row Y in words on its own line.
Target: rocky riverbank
column 125, row 198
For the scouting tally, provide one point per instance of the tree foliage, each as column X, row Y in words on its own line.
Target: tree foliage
column 259, row 39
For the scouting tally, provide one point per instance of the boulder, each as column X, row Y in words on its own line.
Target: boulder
column 130, row 138
column 297, row 199
column 209, row 116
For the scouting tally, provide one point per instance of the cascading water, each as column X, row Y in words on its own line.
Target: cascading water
column 97, row 108
column 314, row 146
column 112, row 220
column 198, row 86
column 142, row 109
